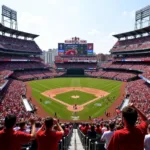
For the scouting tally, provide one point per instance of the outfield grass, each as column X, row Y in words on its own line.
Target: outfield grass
column 111, row 86
column 67, row 97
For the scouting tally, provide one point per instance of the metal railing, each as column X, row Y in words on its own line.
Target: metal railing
column 90, row 144
column 65, row 141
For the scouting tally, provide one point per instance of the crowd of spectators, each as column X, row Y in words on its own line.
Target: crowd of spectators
column 32, row 134
column 119, row 133
column 2, row 82
column 20, row 57
column 11, row 102
column 146, row 74
column 36, row 74
column 128, row 65
column 139, row 95
column 133, row 58
column 20, row 65
column 116, row 75
column 18, row 44
column 141, row 43
column 5, row 74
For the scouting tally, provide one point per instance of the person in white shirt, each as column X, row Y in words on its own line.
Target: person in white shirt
column 104, row 128
column 147, row 139
column 107, row 135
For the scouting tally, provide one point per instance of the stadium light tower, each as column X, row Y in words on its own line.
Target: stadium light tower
column 9, row 16
column 142, row 17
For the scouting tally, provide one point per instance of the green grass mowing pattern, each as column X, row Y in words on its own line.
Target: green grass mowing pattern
column 67, row 97
column 111, row 86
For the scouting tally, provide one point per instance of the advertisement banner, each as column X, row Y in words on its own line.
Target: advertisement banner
column 68, row 41
column 83, row 42
column 60, row 48
column 90, row 46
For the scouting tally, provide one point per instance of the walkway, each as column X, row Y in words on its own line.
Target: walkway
column 75, row 143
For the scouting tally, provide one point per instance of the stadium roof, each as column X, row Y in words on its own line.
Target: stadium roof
column 133, row 33
column 16, row 32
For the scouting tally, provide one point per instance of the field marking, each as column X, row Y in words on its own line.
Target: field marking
column 104, row 86
column 95, row 114
column 115, row 88
column 52, row 93
column 36, row 90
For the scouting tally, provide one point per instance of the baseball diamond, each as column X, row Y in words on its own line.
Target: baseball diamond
column 89, row 90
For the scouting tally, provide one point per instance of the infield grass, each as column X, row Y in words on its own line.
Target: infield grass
column 67, row 97
column 92, row 109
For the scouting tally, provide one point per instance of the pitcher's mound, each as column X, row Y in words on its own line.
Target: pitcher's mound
column 75, row 96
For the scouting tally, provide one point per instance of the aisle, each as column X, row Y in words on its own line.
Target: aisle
column 75, row 143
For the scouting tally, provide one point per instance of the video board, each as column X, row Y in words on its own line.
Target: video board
column 90, row 49
column 75, row 49
column 61, row 50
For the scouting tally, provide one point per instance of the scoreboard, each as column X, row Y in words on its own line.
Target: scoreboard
column 75, row 48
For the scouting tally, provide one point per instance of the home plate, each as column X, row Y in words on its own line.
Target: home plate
column 98, row 104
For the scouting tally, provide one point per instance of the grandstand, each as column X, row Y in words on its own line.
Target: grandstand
column 20, row 61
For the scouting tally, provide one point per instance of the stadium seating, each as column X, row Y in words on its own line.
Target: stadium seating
column 18, row 44
column 141, row 43
column 139, row 95
column 116, row 75
column 11, row 102
column 36, row 74
column 18, row 58
column 128, row 65
column 20, row 65
column 5, row 74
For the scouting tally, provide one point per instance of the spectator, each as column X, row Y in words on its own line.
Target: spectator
column 85, row 129
column 66, row 130
column 11, row 139
column 98, row 129
column 24, row 127
column 107, row 135
column 104, row 128
column 131, row 137
column 147, row 140
column 47, row 138
column 92, row 133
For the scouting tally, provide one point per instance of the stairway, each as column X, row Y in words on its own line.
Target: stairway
column 75, row 143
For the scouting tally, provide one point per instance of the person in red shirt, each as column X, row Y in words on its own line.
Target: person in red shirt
column 11, row 139
column 131, row 137
column 85, row 129
column 98, row 129
column 48, row 139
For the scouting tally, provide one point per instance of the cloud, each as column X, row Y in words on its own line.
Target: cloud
column 52, row 2
column 94, row 32
column 32, row 23
column 124, row 13
column 28, row 18
column 129, row 13
column 73, row 10
column 132, row 13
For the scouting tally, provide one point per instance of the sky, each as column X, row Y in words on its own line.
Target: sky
column 92, row 20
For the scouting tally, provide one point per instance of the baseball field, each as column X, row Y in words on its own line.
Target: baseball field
column 75, row 98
